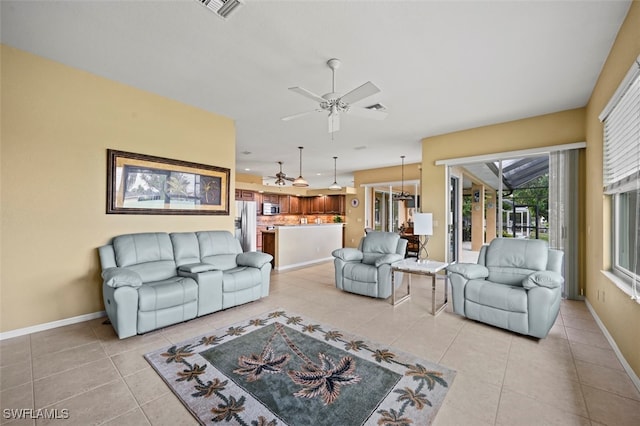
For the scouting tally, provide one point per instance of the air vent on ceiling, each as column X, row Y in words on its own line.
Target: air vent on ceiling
column 223, row 8
column 377, row 107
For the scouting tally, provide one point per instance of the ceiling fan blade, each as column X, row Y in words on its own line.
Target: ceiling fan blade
column 301, row 114
column 367, row 112
column 334, row 122
column 288, row 178
column 307, row 94
column 360, row 93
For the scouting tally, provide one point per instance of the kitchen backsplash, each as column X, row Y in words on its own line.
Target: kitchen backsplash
column 291, row 219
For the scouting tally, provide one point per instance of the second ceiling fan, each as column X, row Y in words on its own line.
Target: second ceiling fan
column 335, row 103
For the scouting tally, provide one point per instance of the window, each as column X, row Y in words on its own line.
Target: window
column 621, row 175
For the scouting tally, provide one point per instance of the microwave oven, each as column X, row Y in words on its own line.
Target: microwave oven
column 269, row 209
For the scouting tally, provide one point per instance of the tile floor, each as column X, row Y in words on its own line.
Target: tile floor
column 570, row 378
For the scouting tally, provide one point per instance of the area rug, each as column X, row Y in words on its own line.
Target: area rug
column 282, row 368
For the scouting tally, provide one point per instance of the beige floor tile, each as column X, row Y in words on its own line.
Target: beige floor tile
column 593, row 338
column 133, row 361
column 542, row 359
column 95, row 406
column 70, row 383
column 168, row 410
column 429, row 340
column 450, row 416
column 549, row 345
column 610, row 409
column 475, row 399
column 14, row 350
column 582, row 323
column 68, row 359
column 132, row 418
column 116, row 346
column 16, row 398
column 48, row 342
column 146, row 385
column 607, row 379
column 558, row 331
column 552, row 389
column 15, row 374
column 516, row 409
column 604, row 357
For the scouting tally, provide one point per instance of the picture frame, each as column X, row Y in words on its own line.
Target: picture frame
column 145, row 184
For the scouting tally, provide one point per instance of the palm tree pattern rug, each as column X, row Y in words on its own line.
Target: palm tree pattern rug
column 282, row 368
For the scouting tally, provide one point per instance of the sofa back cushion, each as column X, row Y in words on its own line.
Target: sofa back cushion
column 186, row 249
column 219, row 248
column 511, row 260
column 376, row 244
column 149, row 254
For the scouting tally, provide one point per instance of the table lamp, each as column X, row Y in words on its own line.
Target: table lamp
column 423, row 227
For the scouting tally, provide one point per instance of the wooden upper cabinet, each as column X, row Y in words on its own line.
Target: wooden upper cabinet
column 244, row 195
column 270, row 198
column 284, row 204
column 295, row 205
column 334, row 204
column 316, row 205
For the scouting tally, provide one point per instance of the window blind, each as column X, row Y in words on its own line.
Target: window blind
column 621, row 156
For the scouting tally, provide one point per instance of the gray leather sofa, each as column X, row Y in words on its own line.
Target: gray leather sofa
column 516, row 285
column 367, row 269
column 152, row 280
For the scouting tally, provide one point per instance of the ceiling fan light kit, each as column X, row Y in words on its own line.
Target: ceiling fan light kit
column 334, row 103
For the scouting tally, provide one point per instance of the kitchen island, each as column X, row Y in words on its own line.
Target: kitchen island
column 294, row 246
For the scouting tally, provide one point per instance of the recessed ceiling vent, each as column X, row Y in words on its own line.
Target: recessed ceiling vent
column 223, row 8
column 377, row 107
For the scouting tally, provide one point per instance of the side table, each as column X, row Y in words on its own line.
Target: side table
column 421, row 267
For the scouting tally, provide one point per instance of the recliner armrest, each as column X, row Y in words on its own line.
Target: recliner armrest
column 549, row 279
column 194, row 268
column 121, row 277
column 254, row 259
column 388, row 259
column 348, row 254
column 470, row 271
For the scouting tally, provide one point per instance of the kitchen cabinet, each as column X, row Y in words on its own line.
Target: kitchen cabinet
column 244, row 195
column 284, row 202
column 316, row 205
column 269, row 244
column 334, row 204
column 270, row 198
column 295, row 205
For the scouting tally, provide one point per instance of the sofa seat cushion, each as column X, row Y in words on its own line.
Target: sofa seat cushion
column 361, row 272
column 168, row 293
column 240, row 278
column 499, row 296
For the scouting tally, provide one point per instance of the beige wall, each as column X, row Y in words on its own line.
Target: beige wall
column 620, row 315
column 57, row 123
column 546, row 130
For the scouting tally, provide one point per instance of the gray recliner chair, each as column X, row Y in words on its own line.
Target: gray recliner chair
column 516, row 285
column 367, row 269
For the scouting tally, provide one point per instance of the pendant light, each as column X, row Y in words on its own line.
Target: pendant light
column 403, row 195
column 334, row 186
column 299, row 181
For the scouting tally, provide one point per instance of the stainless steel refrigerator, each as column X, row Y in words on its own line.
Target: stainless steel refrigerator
column 245, row 224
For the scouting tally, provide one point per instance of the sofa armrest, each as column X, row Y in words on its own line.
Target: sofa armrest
column 348, row 254
column 549, row 279
column 120, row 277
column 470, row 271
column 388, row 259
column 194, row 268
column 254, row 259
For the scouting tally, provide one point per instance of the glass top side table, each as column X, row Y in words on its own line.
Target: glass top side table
column 419, row 267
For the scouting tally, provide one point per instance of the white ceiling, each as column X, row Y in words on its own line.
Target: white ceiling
column 442, row 66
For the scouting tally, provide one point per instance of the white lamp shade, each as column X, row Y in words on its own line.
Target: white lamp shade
column 423, row 224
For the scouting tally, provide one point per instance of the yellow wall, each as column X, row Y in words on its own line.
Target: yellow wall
column 546, row 130
column 620, row 315
column 57, row 123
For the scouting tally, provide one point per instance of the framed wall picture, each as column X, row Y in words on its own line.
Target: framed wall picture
column 144, row 184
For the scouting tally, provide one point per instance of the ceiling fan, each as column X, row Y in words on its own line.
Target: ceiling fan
column 335, row 103
column 281, row 177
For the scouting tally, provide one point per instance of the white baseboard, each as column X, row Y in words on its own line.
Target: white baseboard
column 300, row 265
column 49, row 325
column 632, row 375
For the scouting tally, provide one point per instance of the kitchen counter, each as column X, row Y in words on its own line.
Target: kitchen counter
column 300, row 245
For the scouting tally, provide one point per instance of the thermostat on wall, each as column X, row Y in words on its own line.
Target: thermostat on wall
column 355, row 202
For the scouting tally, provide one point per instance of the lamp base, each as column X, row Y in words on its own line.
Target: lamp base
column 423, row 254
